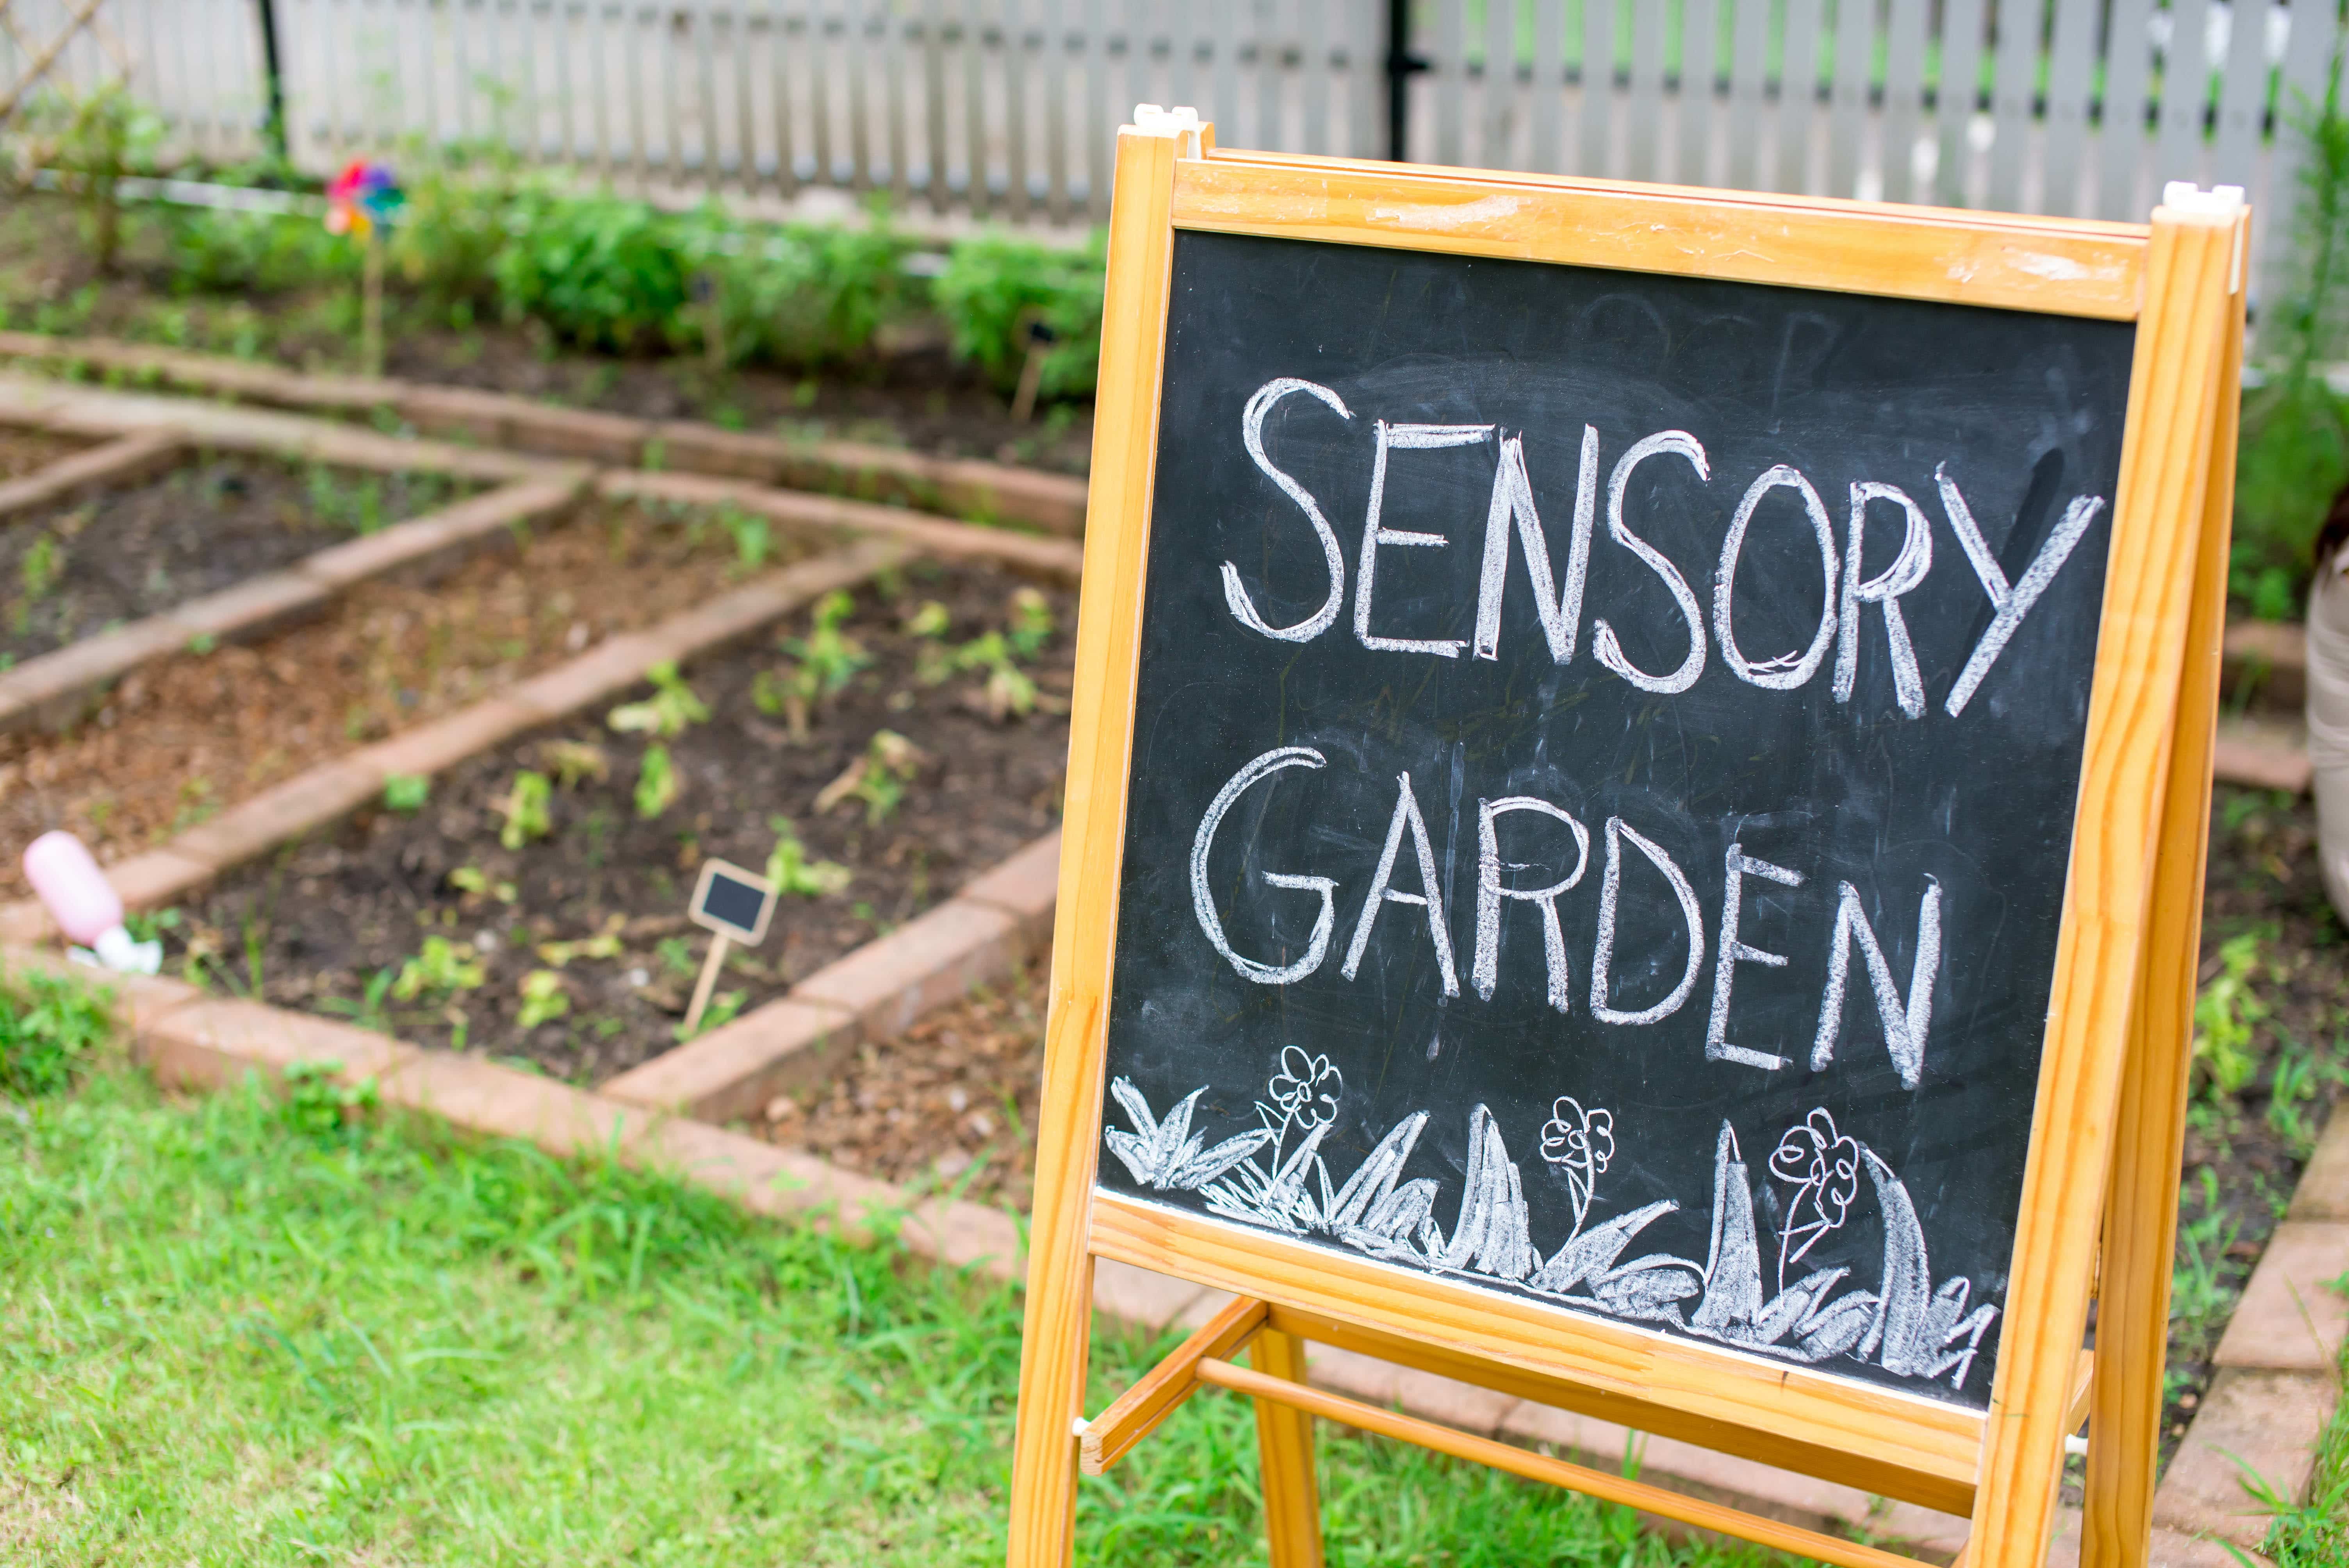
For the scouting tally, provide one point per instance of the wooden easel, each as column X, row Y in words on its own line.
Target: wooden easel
column 2113, row 1073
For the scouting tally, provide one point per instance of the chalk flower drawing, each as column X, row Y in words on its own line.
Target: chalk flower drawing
column 1277, row 1177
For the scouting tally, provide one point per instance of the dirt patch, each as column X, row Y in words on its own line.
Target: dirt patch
column 23, row 451
column 179, row 739
column 128, row 552
column 910, row 393
column 950, row 1106
column 431, row 925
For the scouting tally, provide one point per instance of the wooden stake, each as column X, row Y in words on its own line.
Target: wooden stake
column 706, row 984
column 371, row 304
column 1031, row 377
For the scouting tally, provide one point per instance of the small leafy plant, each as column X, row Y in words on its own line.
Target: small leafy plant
column 665, row 712
column 406, row 793
column 525, row 810
column 789, row 868
column 439, row 969
column 827, row 660
column 878, row 778
column 2226, row 1012
column 320, row 1104
column 543, row 999
column 49, row 1028
column 656, row 783
column 574, row 762
column 477, row 884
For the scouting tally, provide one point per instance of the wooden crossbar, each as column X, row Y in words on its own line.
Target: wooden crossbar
column 1137, row 1412
column 1639, row 1494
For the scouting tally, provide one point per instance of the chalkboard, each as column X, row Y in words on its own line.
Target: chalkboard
column 1512, row 893
column 733, row 902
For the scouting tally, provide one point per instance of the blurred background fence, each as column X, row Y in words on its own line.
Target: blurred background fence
column 1005, row 110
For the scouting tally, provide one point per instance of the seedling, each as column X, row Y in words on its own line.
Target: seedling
column 666, row 712
column 604, row 943
column 1031, row 623
column 440, row 969
column 656, row 783
column 878, row 778
column 543, row 999
column 828, row 660
column 43, row 564
column 406, row 793
column 525, row 810
column 2226, row 1014
column 930, row 621
column 789, row 868
column 476, row 883
column 576, row 761
column 753, row 536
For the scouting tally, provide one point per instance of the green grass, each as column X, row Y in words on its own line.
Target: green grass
column 241, row 1331
column 2315, row 1534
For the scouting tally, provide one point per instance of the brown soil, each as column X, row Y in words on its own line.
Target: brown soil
column 24, row 452
column 128, row 552
column 331, row 923
column 912, row 393
column 179, row 739
column 950, row 1106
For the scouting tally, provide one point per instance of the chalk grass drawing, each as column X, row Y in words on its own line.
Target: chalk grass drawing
column 1276, row 1177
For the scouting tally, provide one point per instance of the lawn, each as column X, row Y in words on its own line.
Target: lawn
column 246, row 1330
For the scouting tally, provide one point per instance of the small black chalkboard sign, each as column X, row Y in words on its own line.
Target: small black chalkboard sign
column 733, row 902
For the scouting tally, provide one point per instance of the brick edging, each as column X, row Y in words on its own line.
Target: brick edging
column 125, row 459
column 969, row 487
column 55, row 690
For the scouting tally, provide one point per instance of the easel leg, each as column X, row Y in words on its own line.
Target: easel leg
column 2141, row 1194
column 1284, row 1441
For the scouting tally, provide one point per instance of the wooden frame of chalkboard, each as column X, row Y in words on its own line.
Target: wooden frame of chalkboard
column 2110, row 1071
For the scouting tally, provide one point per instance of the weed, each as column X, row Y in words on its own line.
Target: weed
column 476, row 883
column 543, row 999
column 753, row 536
column 665, row 712
column 406, row 792
column 368, row 1012
column 676, row 954
column 319, row 1105
column 792, row 871
column 50, row 1027
column 524, row 809
column 656, row 783
column 42, row 565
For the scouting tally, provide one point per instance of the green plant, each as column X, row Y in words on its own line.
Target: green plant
column 994, row 285
column 320, row 1104
column 475, row 882
column 801, row 295
column 49, row 1030
column 463, row 201
column 223, row 251
column 722, row 1009
column 789, row 868
column 525, row 810
column 43, row 564
column 2295, row 429
column 656, row 783
column 753, row 536
column 543, row 999
column 598, row 270
column 827, row 659
column 94, row 140
column 2226, row 1011
column 665, row 712
column 356, row 504
column 406, row 792
column 1031, row 623
column 929, row 622
column 440, row 968
column 878, row 778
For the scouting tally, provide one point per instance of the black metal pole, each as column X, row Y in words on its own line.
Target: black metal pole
column 1402, row 65
column 273, row 69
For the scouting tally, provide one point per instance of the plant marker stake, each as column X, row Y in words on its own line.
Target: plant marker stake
column 708, row 983
column 1040, row 338
column 361, row 202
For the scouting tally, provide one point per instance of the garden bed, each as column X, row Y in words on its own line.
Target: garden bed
column 909, row 392
column 432, row 924
column 132, row 551
column 177, row 740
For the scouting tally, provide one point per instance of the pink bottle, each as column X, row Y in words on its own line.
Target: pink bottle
column 84, row 904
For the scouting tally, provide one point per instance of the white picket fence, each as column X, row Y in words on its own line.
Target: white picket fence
column 1005, row 110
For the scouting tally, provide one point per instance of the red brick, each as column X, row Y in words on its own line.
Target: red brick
column 749, row 609
column 688, row 447
column 254, row 827
column 216, row 1041
column 453, row 529
column 2264, row 1422
column 1141, row 1297
column 253, row 609
column 156, row 878
column 444, row 742
column 577, row 432
column 1054, row 503
column 2275, row 653
column 966, row 1235
column 2168, row 1549
column 1058, row 558
column 139, row 999
column 611, row 668
column 731, row 1072
column 2290, row 1319
column 805, row 1188
column 693, row 489
column 1026, row 886
column 482, row 1096
column 24, row 923
column 2323, row 1190
column 2263, row 755
column 934, row 959
column 731, row 1164
column 457, row 411
column 120, row 461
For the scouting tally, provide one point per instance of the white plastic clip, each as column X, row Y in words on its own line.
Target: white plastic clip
column 2220, row 201
column 1077, row 1428
column 1181, row 121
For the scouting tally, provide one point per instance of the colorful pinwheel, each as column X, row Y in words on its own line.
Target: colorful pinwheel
column 364, row 196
